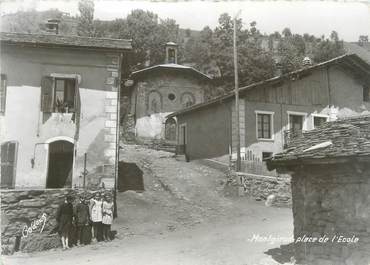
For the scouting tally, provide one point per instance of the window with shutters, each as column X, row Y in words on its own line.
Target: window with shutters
column 59, row 94
column 2, row 94
column 8, row 164
column 264, row 125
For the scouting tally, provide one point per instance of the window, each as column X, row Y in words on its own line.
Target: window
column 2, row 94
column 266, row 155
column 8, row 164
column 59, row 94
column 187, row 99
column 319, row 120
column 295, row 123
column 171, row 56
column 171, row 96
column 264, row 125
column 366, row 93
column 64, row 95
column 170, row 129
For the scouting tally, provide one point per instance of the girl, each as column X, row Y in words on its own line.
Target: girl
column 96, row 215
column 64, row 219
column 107, row 216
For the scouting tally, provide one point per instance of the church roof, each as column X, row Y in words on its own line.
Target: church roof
column 166, row 67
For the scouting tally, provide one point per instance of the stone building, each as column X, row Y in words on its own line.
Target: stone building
column 58, row 110
column 330, row 184
column 161, row 90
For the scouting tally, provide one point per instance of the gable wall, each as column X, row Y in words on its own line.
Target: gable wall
column 150, row 124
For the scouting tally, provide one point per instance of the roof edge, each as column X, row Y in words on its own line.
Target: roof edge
column 167, row 66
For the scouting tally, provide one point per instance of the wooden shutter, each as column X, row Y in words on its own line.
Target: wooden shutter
column 8, row 162
column 47, row 95
column 2, row 93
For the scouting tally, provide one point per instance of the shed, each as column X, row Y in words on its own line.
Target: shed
column 330, row 191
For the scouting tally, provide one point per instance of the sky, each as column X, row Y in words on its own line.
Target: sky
column 349, row 18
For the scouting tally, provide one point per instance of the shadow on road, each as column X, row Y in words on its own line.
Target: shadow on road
column 283, row 254
column 130, row 177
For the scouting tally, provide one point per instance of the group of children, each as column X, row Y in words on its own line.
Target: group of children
column 87, row 220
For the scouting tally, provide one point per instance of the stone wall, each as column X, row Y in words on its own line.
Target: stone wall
column 24, row 213
column 333, row 202
column 260, row 187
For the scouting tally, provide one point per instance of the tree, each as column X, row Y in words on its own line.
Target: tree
column 327, row 49
column 149, row 34
column 287, row 33
column 254, row 64
column 85, row 26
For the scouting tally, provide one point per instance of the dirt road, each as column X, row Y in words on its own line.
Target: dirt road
column 182, row 217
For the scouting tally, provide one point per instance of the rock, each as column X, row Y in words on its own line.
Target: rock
column 34, row 203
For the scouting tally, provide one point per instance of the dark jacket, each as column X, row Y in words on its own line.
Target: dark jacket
column 65, row 212
column 82, row 214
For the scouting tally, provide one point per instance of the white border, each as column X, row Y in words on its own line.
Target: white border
column 304, row 114
column 313, row 115
column 67, row 76
column 271, row 113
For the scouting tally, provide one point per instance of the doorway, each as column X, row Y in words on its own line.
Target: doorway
column 60, row 165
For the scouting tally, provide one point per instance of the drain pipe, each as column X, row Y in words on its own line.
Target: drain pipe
column 117, row 135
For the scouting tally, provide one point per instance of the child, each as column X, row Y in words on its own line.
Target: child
column 107, row 216
column 96, row 216
column 82, row 217
column 64, row 219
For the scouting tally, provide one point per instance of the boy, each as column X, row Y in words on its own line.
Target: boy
column 82, row 217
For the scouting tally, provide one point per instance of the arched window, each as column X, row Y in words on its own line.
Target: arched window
column 170, row 129
column 187, row 99
column 154, row 102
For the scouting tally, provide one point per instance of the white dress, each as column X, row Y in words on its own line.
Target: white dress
column 96, row 211
column 107, row 213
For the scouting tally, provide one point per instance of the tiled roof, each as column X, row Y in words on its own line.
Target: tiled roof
column 178, row 67
column 65, row 41
column 361, row 51
column 348, row 137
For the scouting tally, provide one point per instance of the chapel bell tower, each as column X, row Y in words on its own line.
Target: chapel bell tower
column 171, row 52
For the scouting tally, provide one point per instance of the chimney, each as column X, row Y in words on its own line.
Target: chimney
column 52, row 26
column 171, row 52
column 306, row 62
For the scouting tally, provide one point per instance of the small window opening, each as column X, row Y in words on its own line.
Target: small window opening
column 366, row 93
column 266, row 155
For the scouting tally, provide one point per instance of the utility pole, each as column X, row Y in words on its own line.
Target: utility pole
column 238, row 163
